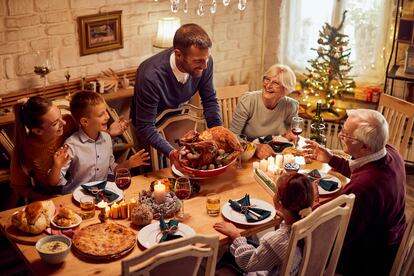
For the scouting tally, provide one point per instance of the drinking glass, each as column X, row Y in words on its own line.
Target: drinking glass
column 43, row 66
column 182, row 190
column 297, row 128
column 87, row 204
column 213, row 204
column 123, row 178
column 243, row 142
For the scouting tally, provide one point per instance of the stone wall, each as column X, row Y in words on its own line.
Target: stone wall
column 27, row 26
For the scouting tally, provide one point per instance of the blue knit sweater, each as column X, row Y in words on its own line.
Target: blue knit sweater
column 157, row 89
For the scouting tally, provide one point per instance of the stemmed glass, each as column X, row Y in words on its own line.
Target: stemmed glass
column 297, row 128
column 182, row 190
column 123, row 178
column 42, row 66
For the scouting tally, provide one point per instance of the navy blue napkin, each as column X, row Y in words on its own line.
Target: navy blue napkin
column 243, row 206
column 327, row 185
column 99, row 192
column 275, row 145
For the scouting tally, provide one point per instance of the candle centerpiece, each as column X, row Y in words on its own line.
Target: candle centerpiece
column 159, row 192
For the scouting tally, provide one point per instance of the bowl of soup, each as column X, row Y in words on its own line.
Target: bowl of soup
column 53, row 249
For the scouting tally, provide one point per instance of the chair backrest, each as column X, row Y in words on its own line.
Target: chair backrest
column 323, row 233
column 404, row 260
column 227, row 97
column 174, row 123
column 177, row 257
column 400, row 117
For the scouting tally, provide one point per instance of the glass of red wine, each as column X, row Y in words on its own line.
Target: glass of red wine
column 182, row 190
column 123, row 178
column 297, row 128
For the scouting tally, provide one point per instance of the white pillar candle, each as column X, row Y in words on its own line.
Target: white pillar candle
column 271, row 169
column 159, row 193
column 256, row 165
column 288, row 158
column 270, row 161
column 279, row 161
column 263, row 165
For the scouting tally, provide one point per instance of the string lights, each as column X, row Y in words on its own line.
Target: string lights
column 203, row 5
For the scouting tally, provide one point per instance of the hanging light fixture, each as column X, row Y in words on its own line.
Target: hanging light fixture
column 202, row 5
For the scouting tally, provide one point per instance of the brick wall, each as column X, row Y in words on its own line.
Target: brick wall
column 27, row 26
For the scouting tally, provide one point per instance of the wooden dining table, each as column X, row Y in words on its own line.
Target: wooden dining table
column 232, row 184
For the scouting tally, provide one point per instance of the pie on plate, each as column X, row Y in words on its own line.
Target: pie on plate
column 104, row 240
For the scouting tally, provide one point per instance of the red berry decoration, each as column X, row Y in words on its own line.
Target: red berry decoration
column 332, row 103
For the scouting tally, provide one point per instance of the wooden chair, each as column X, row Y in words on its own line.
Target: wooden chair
column 404, row 260
column 323, row 233
column 400, row 117
column 227, row 97
column 176, row 257
column 172, row 124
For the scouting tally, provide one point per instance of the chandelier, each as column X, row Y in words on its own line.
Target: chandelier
column 203, row 5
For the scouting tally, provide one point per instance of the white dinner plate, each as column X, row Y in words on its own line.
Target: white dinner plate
column 78, row 221
column 111, row 186
column 329, row 177
column 240, row 218
column 151, row 234
column 180, row 174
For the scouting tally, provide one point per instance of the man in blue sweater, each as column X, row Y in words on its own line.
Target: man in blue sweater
column 169, row 79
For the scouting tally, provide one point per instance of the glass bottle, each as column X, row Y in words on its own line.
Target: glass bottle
column 317, row 131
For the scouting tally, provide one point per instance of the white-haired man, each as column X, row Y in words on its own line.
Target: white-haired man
column 377, row 178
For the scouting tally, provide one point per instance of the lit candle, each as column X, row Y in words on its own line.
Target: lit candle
column 123, row 208
column 270, row 160
column 115, row 210
column 159, row 193
column 263, row 165
column 132, row 205
column 103, row 217
column 256, row 165
column 288, row 158
column 271, row 169
column 279, row 161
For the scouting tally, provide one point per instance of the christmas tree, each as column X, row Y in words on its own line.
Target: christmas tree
column 329, row 70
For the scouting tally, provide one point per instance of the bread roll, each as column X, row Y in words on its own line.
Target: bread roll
column 35, row 217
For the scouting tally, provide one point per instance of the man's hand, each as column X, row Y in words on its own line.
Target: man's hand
column 138, row 159
column 317, row 152
column 227, row 229
column 174, row 158
column 119, row 126
column 263, row 151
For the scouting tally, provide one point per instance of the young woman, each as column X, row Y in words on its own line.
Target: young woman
column 37, row 149
column 293, row 201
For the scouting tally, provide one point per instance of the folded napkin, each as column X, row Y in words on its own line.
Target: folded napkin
column 275, row 145
column 243, row 206
column 327, row 185
column 100, row 193
column 168, row 230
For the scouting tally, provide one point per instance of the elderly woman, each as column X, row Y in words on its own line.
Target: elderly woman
column 269, row 111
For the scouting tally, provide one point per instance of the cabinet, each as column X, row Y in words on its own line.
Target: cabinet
column 403, row 35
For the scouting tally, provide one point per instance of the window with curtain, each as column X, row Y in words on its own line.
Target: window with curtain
column 367, row 25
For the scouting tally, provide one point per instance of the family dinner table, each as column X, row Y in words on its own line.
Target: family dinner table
column 234, row 183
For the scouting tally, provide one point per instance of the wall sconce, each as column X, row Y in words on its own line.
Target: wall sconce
column 167, row 27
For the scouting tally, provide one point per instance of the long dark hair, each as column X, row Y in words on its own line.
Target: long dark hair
column 28, row 114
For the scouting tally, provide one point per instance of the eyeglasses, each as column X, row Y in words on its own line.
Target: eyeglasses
column 344, row 136
column 274, row 84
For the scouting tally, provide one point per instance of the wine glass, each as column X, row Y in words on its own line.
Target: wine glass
column 42, row 66
column 297, row 128
column 182, row 190
column 123, row 178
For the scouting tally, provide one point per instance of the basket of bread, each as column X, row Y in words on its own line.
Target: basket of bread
column 210, row 152
column 35, row 217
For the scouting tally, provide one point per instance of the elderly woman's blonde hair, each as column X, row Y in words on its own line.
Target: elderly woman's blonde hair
column 372, row 127
column 286, row 76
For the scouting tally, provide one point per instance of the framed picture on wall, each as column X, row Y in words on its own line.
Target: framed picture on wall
column 100, row 32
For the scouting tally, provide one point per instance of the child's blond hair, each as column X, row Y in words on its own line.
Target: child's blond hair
column 81, row 103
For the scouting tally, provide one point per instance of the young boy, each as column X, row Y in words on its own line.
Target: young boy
column 90, row 148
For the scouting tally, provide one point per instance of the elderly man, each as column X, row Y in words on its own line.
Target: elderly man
column 377, row 175
column 169, row 79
